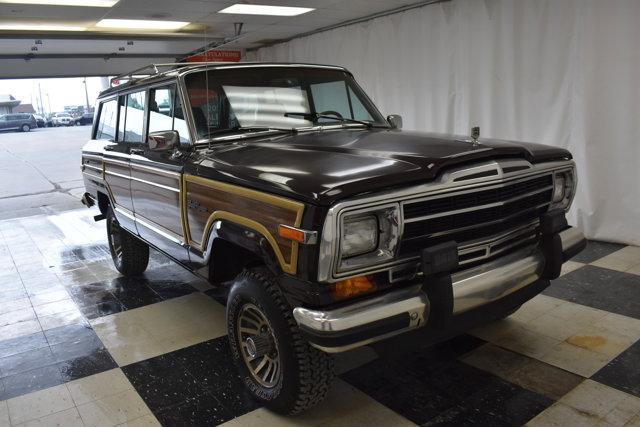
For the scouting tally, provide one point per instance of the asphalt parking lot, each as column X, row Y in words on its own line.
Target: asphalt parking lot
column 40, row 171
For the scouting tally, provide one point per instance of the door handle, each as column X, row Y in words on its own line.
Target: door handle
column 109, row 147
column 137, row 151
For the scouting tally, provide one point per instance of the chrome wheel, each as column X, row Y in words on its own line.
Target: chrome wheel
column 259, row 346
column 115, row 240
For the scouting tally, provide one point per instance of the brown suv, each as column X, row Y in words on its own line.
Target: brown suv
column 329, row 227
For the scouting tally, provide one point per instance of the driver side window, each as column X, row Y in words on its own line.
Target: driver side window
column 165, row 112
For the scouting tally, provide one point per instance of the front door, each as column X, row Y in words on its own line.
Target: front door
column 156, row 175
column 117, row 169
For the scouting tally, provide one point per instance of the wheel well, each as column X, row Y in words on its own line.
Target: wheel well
column 228, row 260
column 103, row 203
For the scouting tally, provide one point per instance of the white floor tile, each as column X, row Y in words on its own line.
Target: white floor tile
column 98, row 386
column 113, row 410
column 39, row 404
column 345, row 406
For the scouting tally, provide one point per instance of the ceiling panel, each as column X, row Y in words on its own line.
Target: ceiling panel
column 207, row 26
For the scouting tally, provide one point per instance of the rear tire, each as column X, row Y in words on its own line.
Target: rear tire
column 262, row 332
column 26, row 128
column 130, row 255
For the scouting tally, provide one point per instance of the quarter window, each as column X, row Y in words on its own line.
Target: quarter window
column 107, row 121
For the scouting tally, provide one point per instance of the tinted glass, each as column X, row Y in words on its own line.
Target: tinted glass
column 230, row 101
column 107, row 122
column 165, row 112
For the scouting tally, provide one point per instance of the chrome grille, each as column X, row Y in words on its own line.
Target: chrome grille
column 483, row 221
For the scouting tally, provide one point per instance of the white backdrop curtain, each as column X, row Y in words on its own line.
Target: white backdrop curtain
column 560, row 72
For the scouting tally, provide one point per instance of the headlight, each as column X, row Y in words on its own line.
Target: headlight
column 368, row 238
column 564, row 184
column 359, row 235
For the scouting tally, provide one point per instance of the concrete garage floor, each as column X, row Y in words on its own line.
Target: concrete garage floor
column 80, row 345
column 40, row 170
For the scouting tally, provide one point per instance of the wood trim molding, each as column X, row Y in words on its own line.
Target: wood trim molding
column 239, row 206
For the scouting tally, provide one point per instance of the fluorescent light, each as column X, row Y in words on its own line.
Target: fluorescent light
column 88, row 3
column 141, row 24
column 260, row 9
column 38, row 27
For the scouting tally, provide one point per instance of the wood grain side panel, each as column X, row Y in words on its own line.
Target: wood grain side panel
column 207, row 201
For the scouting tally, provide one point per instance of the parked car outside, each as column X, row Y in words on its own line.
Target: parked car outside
column 62, row 119
column 85, row 119
column 19, row 122
column 327, row 227
column 40, row 121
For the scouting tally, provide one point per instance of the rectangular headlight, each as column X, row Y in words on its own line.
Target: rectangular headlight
column 359, row 235
column 368, row 237
column 564, row 185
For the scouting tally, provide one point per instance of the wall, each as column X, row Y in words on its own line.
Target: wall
column 559, row 72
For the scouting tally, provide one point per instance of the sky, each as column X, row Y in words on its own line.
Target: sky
column 61, row 92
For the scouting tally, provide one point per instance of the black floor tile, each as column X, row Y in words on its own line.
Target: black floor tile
column 102, row 309
column 180, row 378
column 21, row 344
column 26, row 361
column 202, row 411
column 168, row 289
column 69, row 334
column 601, row 288
column 80, row 367
column 30, row 381
column 623, row 372
column 596, row 250
column 430, row 385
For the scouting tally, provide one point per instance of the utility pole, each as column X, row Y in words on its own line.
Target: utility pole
column 41, row 100
column 86, row 93
column 49, row 103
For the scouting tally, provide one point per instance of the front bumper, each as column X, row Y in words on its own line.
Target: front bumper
column 406, row 309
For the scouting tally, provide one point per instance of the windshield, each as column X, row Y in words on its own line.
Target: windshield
column 241, row 100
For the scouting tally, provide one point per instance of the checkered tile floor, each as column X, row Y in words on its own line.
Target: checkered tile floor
column 80, row 345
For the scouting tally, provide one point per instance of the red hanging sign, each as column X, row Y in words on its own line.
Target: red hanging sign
column 214, row 55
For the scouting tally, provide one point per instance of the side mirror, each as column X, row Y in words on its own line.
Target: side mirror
column 164, row 140
column 395, row 121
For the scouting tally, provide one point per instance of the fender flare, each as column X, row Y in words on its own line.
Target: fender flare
column 248, row 235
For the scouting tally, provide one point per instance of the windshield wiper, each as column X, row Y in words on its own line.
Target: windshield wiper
column 266, row 128
column 313, row 117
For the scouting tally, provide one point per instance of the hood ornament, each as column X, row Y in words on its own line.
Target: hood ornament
column 475, row 134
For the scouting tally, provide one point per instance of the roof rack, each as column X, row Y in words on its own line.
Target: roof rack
column 153, row 69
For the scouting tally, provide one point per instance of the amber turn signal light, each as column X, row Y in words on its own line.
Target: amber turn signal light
column 291, row 233
column 353, row 287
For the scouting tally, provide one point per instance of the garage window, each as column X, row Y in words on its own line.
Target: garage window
column 107, row 121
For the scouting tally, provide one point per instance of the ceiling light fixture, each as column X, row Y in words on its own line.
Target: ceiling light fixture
column 141, row 24
column 260, row 9
column 86, row 3
column 12, row 26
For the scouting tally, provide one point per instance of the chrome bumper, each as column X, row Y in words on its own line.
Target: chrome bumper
column 405, row 309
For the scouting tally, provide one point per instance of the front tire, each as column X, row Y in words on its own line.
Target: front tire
column 26, row 128
column 281, row 370
column 130, row 255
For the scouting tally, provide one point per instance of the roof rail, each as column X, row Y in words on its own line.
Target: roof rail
column 153, row 70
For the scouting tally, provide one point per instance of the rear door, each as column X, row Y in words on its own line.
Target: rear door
column 156, row 174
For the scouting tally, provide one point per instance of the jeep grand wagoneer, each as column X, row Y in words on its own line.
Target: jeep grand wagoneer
column 329, row 226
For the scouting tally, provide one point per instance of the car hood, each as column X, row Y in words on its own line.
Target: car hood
column 325, row 166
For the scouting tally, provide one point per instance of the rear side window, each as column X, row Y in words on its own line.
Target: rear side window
column 107, row 122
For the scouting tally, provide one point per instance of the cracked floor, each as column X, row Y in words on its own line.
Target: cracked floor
column 40, row 172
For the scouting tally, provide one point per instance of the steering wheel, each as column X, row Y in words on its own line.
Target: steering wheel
column 331, row 113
